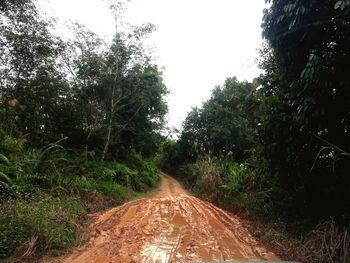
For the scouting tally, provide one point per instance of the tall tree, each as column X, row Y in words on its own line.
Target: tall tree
column 126, row 52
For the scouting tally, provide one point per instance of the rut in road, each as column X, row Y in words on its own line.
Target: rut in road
column 172, row 227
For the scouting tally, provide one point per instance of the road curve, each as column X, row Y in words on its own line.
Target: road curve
column 171, row 227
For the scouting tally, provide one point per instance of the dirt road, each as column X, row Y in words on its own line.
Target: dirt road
column 172, row 227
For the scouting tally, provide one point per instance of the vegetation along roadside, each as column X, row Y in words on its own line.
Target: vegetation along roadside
column 80, row 121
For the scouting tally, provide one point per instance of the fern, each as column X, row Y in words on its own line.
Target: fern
column 4, row 178
column 4, row 160
column 47, row 163
column 47, row 157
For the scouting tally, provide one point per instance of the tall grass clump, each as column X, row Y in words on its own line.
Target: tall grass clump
column 45, row 224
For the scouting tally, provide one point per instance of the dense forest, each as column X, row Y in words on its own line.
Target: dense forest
column 82, row 128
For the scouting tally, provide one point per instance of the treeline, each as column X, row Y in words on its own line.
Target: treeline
column 80, row 121
column 280, row 144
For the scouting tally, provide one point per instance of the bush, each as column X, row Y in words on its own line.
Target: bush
column 122, row 174
column 202, row 178
column 51, row 223
column 61, row 186
column 135, row 173
column 148, row 174
column 169, row 157
column 230, row 184
column 233, row 181
column 111, row 192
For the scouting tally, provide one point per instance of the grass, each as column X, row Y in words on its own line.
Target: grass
column 44, row 207
column 52, row 224
column 96, row 194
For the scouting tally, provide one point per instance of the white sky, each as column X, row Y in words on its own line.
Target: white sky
column 198, row 42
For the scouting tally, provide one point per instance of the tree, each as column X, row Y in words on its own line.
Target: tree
column 105, row 97
column 306, row 121
column 29, row 72
column 85, row 63
column 225, row 126
column 126, row 52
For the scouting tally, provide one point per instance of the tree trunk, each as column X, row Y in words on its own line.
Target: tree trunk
column 109, row 130
column 114, row 88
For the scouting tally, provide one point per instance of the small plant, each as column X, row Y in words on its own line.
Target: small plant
column 10, row 144
column 49, row 159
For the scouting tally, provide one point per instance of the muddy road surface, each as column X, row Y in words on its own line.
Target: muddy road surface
column 171, row 227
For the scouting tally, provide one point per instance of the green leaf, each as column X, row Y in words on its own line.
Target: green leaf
column 5, row 178
column 4, row 160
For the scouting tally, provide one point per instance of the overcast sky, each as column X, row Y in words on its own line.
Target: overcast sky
column 199, row 43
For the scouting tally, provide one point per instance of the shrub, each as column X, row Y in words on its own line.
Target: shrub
column 228, row 183
column 10, row 144
column 202, row 177
column 148, row 174
column 233, row 181
column 111, row 192
column 51, row 222
column 122, row 174
column 60, row 186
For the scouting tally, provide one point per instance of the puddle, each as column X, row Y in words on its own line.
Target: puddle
column 178, row 220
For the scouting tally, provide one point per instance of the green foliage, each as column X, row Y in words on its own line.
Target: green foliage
column 10, row 144
column 99, row 103
column 169, row 157
column 106, row 193
column 51, row 221
column 305, row 109
column 31, row 178
column 135, row 173
column 46, row 206
column 4, row 160
column 109, row 101
column 147, row 172
column 4, row 178
column 225, row 125
column 230, row 184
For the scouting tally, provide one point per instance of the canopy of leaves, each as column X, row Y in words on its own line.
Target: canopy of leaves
column 85, row 89
column 224, row 126
column 306, row 112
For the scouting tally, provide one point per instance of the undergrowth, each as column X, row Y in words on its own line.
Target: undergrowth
column 44, row 224
column 47, row 193
column 247, row 192
column 227, row 183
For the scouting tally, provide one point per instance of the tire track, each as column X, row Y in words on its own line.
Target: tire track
column 172, row 227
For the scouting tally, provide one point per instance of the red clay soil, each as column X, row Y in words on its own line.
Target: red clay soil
column 171, row 227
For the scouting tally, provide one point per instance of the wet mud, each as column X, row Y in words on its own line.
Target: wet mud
column 171, row 227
